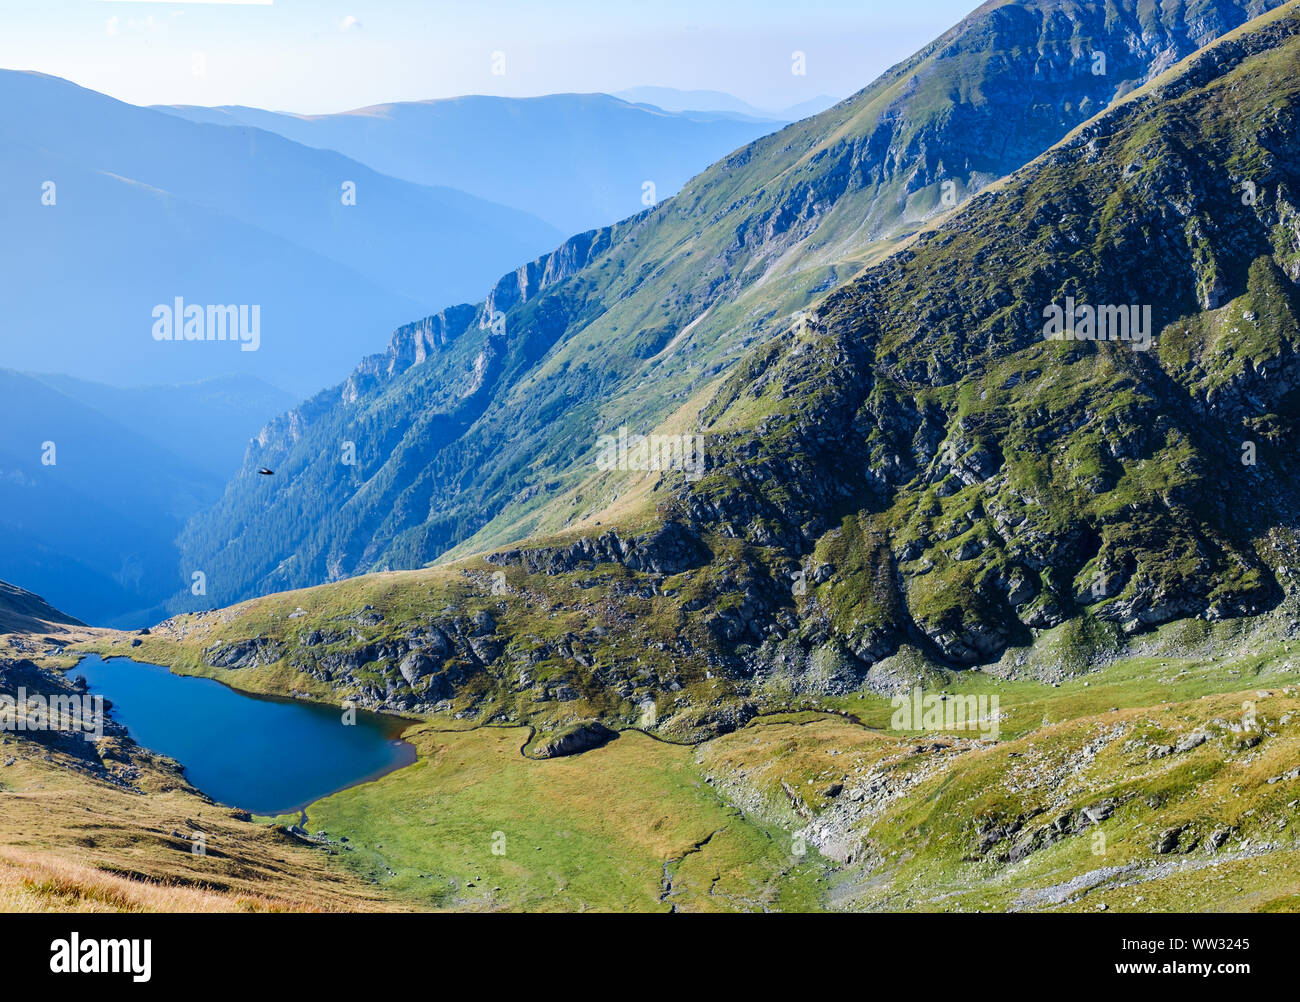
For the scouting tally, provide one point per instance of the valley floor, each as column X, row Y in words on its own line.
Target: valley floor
column 1153, row 784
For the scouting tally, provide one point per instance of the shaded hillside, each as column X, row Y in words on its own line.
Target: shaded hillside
column 89, row 508
column 23, row 612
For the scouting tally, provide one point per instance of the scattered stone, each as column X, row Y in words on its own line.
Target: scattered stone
column 1190, row 741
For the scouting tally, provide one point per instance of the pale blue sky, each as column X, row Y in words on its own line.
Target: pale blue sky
column 330, row 55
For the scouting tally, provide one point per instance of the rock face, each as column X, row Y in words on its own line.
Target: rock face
column 476, row 406
column 582, row 738
column 21, row 676
column 669, row 549
column 252, row 653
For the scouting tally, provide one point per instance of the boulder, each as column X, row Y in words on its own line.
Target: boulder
column 583, row 737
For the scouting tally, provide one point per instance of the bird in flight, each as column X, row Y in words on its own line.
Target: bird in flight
column 265, row 472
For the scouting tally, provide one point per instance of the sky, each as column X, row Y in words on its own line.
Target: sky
column 319, row 56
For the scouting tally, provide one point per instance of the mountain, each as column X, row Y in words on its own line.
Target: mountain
column 217, row 216
column 672, row 99
column 576, row 160
column 480, row 424
column 955, row 476
column 89, row 507
column 1083, row 550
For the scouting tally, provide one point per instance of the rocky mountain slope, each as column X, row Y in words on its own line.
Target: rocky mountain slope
column 479, row 417
column 952, row 476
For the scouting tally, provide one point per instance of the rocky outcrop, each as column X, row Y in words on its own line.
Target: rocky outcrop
column 255, row 652
column 581, row 738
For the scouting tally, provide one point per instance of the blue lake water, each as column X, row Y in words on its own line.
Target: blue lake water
column 266, row 755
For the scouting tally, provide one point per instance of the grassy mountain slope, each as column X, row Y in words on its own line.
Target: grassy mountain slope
column 468, row 419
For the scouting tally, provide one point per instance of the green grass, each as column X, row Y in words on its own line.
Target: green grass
column 474, row 825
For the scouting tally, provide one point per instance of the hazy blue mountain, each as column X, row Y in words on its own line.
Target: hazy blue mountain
column 813, row 106
column 578, row 161
column 89, row 508
column 210, row 422
column 672, row 99
column 149, row 207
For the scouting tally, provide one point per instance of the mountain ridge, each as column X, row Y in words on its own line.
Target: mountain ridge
column 576, row 160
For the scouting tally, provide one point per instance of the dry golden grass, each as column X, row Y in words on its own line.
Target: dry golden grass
column 45, row 882
column 71, row 841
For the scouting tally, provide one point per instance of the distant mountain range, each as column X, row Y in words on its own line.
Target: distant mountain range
column 672, row 99
column 578, row 161
column 148, row 207
column 240, row 214
column 113, row 211
column 209, row 422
